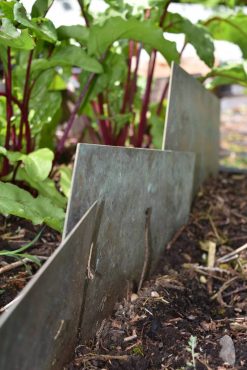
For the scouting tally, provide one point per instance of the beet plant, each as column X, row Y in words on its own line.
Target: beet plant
column 111, row 100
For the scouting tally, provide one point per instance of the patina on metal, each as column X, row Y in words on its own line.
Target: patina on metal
column 192, row 123
column 137, row 185
column 39, row 332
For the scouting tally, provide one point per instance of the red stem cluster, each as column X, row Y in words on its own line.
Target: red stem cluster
column 12, row 140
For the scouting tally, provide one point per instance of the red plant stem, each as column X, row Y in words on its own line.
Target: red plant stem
column 103, row 128
column 145, row 101
column 13, row 98
column 105, row 125
column 127, row 85
column 122, row 136
column 134, row 79
column 8, row 88
column 164, row 93
column 24, row 112
column 73, row 114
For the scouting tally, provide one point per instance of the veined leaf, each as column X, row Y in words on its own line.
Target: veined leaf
column 10, row 36
column 38, row 164
column 116, row 28
column 68, row 56
column 195, row 34
column 18, row 202
column 45, row 188
column 76, row 32
column 231, row 28
column 42, row 27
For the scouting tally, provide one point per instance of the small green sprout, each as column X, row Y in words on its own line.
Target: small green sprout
column 192, row 343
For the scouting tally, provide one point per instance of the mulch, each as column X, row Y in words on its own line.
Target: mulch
column 197, row 294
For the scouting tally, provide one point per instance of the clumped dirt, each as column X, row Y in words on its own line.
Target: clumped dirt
column 197, row 295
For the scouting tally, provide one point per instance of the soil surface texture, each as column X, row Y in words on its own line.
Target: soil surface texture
column 192, row 313
column 18, row 269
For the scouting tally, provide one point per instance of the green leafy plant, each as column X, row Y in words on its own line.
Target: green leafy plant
column 110, row 99
column 116, row 107
column 232, row 28
column 32, row 170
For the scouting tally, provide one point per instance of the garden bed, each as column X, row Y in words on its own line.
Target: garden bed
column 185, row 299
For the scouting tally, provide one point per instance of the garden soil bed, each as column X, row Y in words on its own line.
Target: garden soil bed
column 185, row 298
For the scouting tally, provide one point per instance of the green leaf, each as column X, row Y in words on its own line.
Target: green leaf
column 232, row 73
column 102, row 37
column 231, row 28
column 9, row 36
column 45, row 188
column 58, row 83
column 18, row 202
column 31, row 258
column 24, row 247
column 40, row 8
column 195, row 34
column 6, row 9
column 70, row 55
column 44, row 104
column 157, row 130
column 43, row 28
column 38, row 164
column 3, row 151
column 65, row 179
column 76, row 32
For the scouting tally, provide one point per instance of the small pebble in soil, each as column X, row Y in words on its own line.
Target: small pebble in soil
column 134, row 297
column 227, row 353
column 155, row 294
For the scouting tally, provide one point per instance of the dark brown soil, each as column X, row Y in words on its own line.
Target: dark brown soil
column 15, row 233
column 186, row 298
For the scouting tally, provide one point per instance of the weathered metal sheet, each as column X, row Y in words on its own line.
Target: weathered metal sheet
column 147, row 195
column 192, row 123
column 39, row 332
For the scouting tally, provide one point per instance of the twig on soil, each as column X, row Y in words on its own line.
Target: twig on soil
column 232, row 255
column 203, row 363
column 131, row 337
column 204, row 268
column 214, row 228
column 16, row 264
column 175, row 238
column 238, row 290
column 95, row 356
column 147, row 248
column 218, row 295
